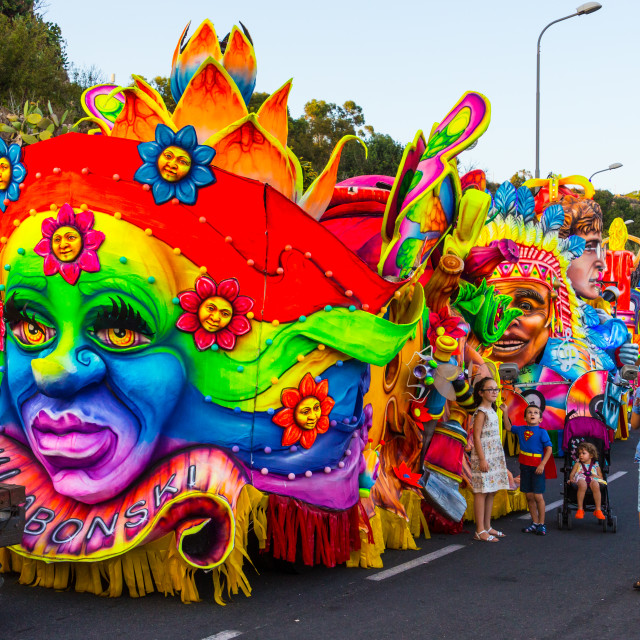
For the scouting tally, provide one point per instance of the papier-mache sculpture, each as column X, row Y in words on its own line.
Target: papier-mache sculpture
column 194, row 347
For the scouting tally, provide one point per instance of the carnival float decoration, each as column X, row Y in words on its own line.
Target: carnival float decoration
column 196, row 350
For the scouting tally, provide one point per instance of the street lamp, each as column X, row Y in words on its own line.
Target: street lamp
column 583, row 9
column 611, row 167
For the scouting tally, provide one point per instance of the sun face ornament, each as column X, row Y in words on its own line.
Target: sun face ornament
column 175, row 165
column 306, row 412
column 69, row 244
column 214, row 313
column 12, row 173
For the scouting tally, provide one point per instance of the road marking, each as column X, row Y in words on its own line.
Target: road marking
column 224, row 635
column 416, row 563
column 558, row 503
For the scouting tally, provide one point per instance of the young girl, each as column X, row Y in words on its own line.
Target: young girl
column 488, row 466
column 586, row 473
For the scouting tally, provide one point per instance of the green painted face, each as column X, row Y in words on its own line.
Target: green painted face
column 89, row 361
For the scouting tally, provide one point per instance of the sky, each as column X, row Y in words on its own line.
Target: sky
column 406, row 63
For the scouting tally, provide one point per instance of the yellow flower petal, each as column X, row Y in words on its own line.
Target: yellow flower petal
column 318, row 195
column 246, row 149
column 210, row 102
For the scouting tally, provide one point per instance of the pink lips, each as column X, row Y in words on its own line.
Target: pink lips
column 68, row 441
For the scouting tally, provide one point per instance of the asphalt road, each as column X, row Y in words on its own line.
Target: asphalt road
column 570, row 584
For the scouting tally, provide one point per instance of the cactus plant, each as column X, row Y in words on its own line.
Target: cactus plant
column 32, row 125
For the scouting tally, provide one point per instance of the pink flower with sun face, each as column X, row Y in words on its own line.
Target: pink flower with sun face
column 69, row 244
column 215, row 313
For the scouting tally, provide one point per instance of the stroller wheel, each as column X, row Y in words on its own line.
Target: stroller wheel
column 604, row 526
column 559, row 518
column 569, row 523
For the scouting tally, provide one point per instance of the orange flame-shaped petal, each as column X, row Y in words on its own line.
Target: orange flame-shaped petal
column 145, row 87
column 246, row 149
column 210, row 102
column 272, row 115
column 139, row 116
column 240, row 61
column 318, row 195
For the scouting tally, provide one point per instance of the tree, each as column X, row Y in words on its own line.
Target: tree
column 32, row 60
column 614, row 206
column 520, row 177
column 383, row 158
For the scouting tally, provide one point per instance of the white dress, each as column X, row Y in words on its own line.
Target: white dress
column 496, row 478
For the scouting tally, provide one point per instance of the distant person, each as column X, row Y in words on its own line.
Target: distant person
column 587, row 473
column 488, row 466
column 535, row 452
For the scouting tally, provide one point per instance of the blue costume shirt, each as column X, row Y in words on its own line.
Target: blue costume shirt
column 533, row 441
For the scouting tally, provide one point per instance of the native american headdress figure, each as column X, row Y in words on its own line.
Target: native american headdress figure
column 543, row 256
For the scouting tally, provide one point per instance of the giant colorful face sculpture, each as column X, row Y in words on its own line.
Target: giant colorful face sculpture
column 583, row 217
column 527, row 335
column 153, row 350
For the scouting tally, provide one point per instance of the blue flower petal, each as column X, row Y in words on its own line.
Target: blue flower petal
column 149, row 151
column 163, row 191
column 13, row 192
column 147, row 174
column 4, row 151
column 201, row 176
column 164, row 136
column 3, row 195
column 13, row 153
column 203, row 154
column 186, row 138
column 18, row 172
column 186, row 191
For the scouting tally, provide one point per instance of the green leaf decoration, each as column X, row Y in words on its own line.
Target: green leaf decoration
column 34, row 118
column 27, row 138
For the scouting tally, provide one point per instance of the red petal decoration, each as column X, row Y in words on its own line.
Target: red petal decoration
column 307, row 386
column 308, row 438
column 322, row 390
column 284, row 418
column 290, row 397
column 205, row 287
column 229, row 289
column 291, row 435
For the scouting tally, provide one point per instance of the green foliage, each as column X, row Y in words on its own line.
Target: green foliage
column 32, row 125
column 15, row 8
column 520, row 177
column 616, row 206
column 32, row 60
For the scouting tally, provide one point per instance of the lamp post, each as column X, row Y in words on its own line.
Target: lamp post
column 583, row 9
column 611, row 167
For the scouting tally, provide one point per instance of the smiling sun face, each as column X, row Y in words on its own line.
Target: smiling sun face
column 215, row 313
column 307, row 413
column 66, row 244
column 5, row 173
column 174, row 164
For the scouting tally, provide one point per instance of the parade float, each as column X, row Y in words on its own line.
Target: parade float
column 197, row 353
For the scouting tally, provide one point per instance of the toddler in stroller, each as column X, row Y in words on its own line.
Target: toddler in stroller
column 579, row 430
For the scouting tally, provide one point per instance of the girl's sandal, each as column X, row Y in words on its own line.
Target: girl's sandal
column 489, row 538
column 496, row 534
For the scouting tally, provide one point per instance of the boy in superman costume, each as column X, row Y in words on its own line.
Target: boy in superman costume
column 535, row 454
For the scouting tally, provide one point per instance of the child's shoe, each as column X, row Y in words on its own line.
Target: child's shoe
column 580, row 514
column 598, row 514
column 542, row 530
column 532, row 528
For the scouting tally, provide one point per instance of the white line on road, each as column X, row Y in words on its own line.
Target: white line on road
column 416, row 563
column 224, row 635
column 557, row 503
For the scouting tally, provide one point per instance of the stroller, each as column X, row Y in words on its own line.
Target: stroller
column 576, row 430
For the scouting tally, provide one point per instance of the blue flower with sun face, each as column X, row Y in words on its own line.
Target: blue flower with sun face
column 12, row 172
column 175, row 165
